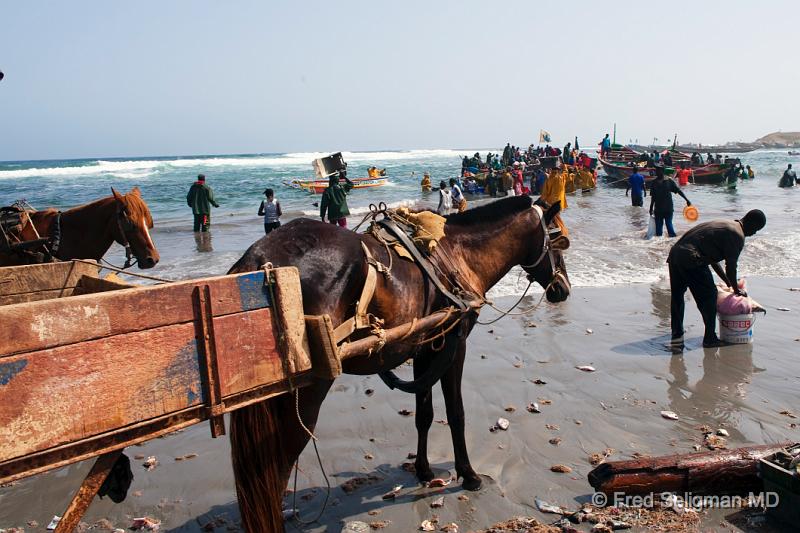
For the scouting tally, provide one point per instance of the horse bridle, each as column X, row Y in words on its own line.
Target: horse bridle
column 124, row 224
column 547, row 250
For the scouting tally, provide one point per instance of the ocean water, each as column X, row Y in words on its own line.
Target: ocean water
column 605, row 231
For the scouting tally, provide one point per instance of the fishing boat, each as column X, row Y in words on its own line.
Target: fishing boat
column 617, row 166
column 319, row 186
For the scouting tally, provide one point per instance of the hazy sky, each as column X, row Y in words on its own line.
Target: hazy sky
column 196, row 77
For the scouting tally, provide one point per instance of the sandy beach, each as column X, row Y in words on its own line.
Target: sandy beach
column 620, row 331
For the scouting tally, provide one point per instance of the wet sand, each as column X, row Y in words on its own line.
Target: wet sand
column 742, row 389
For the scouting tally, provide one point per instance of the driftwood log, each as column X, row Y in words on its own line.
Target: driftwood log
column 713, row 472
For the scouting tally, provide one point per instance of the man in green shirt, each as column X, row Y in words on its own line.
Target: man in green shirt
column 334, row 200
column 200, row 199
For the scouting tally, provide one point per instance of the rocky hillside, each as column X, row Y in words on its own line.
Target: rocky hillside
column 780, row 139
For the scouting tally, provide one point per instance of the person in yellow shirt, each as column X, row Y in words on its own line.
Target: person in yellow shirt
column 554, row 190
column 426, row 183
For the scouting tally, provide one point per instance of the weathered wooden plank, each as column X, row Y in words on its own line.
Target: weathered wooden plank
column 92, row 285
column 123, row 437
column 30, row 283
column 55, row 396
column 52, row 323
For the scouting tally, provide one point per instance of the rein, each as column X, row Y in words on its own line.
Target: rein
column 124, row 223
column 547, row 251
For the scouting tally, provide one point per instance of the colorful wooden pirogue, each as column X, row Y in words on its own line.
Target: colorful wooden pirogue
column 89, row 366
column 319, row 186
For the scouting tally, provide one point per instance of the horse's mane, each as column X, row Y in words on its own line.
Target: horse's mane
column 491, row 212
column 137, row 208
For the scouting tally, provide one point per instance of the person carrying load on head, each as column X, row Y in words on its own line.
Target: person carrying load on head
column 334, row 200
column 270, row 209
column 700, row 247
column 426, row 183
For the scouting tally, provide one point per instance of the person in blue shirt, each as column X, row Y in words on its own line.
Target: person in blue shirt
column 636, row 187
column 539, row 177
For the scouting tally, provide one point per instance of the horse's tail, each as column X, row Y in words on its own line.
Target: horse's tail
column 259, row 466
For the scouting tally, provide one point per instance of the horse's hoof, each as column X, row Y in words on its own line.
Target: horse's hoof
column 472, row 482
column 424, row 473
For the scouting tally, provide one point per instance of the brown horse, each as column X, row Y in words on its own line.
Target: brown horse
column 87, row 231
column 480, row 247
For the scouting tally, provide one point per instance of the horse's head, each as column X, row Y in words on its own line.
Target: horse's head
column 545, row 264
column 131, row 228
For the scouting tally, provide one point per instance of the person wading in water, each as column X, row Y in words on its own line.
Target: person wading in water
column 200, row 198
column 661, row 201
column 270, row 209
column 636, row 187
column 702, row 246
column 334, row 200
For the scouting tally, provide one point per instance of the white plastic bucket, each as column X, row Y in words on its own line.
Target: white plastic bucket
column 736, row 329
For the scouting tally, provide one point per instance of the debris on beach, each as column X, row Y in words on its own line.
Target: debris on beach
column 392, row 494
column 597, row 458
column 379, row 524
column 411, row 455
column 437, row 503
column 538, row 381
column 463, row 497
column 669, row 415
column 351, row 485
column 546, row 507
column 522, row 523
column 589, row 331
column 409, row 467
column 545, row 401
column 405, row 412
column 138, row 456
column 714, row 442
column 427, row 525
column 369, row 456
column 150, row 463
column 561, row 469
column 533, row 407
column 788, row 413
column 552, row 427
column 555, row 441
column 369, row 392
column 783, row 309
column 439, row 482
column 501, row 423
column 355, row 526
column 723, row 432
column 510, row 409
column 53, row 523
column 452, row 527
column 586, row 368
column 146, row 523
column 186, row 457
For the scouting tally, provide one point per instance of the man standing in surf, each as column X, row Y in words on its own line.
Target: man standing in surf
column 200, row 198
column 702, row 246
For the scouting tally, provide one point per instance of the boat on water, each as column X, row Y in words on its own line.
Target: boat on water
column 618, row 166
column 794, row 152
column 318, row 186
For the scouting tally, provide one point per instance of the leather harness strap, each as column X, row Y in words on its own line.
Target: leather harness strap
column 423, row 262
column 361, row 319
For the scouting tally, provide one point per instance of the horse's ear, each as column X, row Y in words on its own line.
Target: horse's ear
column 136, row 192
column 551, row 212
column 559, row 243
column 118, row 198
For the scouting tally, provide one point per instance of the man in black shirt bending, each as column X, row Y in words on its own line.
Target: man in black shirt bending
column 702, row 246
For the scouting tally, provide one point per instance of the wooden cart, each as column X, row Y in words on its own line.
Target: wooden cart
column 89, row 366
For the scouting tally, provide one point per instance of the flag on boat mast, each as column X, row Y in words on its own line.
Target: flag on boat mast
column 544, row 136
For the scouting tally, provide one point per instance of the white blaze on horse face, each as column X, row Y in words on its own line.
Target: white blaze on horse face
column 147, row 232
